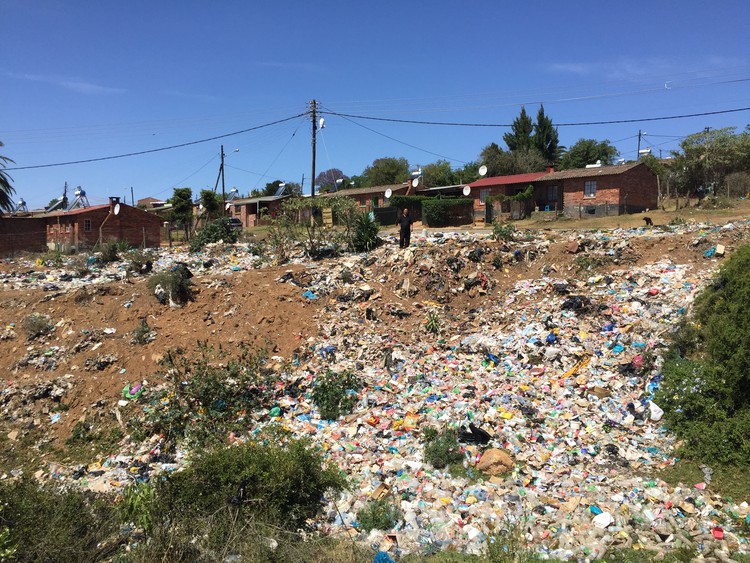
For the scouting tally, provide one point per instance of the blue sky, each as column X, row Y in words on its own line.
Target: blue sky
column 89, row 79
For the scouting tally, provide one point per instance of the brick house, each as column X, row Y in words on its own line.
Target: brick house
column 500, row 185
column 251, row 211
column 370, row 198
column 600, row 190
column 84, row 227
column 22, row 234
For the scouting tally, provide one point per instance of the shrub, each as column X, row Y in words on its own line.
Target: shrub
column 215, row 231
column 442, row 449
column 109, row 252
column 336, row 393
column 437, row 212
column 208, row 398
column 36, row 325
column 365, row 233
column 140, row 262
column 47, row 524
column 171, row 287
column 143, row 334
column 379, row 515
column 705, row 392
column 503, row 231
column 432, row 322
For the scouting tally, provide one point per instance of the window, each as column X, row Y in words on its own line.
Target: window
column 589, row 188
column 87, row 225
column 551, row 193
column 483, row 196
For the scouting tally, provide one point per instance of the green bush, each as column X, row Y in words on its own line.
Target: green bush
column 503, row 231
column 408, row 201
column 442, row 449
column 365, row 233
column 336, row 393
column 437, row 212
column 209, row 397
column 109, row 252
column 432, row 322
column 379, row 515
column 705, row 392
column 47, row 524
column 175, row 287
column 215, row 231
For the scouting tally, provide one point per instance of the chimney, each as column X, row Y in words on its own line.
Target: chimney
column 112, row 202
column 549, row 169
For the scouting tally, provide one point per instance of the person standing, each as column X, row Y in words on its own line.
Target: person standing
column 405, row 223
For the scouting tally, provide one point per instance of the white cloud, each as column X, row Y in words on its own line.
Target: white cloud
column 72, row 84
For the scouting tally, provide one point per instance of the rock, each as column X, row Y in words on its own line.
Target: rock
column 495, row 462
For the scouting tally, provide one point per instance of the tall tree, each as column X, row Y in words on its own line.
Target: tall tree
column 545, row 137
column 519, row 137
column 438, row 173
column 211, row 204
column 588, row 151
column 182, row 209
column 327, row 179
column 520, row 161
column 6, row 190
column 386, row 171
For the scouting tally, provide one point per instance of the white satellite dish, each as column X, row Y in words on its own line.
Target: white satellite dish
column 415, row 182
column 200, row 206
column 117, row 209
column 388, row 193
column 483, row 170
column 227, row 206
column 466, row 190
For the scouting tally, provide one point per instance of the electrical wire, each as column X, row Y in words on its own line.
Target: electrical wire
column 161, row 149
column 576, row 124
column 280, row 153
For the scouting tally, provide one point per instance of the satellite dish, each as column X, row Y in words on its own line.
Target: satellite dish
column 227, row 206
column 322, row 123
column 200, row 206
column 466, row 190
column 117, row 209
column 388, row 193
column 415, row 182
column 483, row 170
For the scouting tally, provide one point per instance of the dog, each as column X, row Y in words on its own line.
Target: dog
column 649, row 222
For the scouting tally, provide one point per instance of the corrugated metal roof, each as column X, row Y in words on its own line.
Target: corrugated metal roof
column 78, row 211
column 367, row 191
column 504, row 180
column 590, row 172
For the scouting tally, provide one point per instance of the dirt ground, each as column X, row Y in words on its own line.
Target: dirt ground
column 93, row 357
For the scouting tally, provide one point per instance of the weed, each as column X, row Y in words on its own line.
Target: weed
column 379, row 515
column 432, row 322
column 137, row 505
column 346, row 275
column 141, row 262
column 677, row 221
column 36, row 325
column 497, row 262
column 109, row 252
column 336, row 393
column 503, row 231
column 143, row 334
column 587, row 261
column 442, row 449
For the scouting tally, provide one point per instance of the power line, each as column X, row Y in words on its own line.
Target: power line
column 150, row 151
column 576, row 124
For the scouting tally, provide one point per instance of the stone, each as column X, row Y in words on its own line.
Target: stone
column 495, row 462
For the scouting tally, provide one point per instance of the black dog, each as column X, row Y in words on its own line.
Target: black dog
column 649, row 222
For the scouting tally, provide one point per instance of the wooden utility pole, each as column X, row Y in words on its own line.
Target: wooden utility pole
column 223, row 194
column 638, row 157
column 313, row 113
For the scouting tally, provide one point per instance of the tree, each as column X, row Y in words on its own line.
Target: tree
column 271, row 188
column 588, row 151
column 386, row 171
column 438, row 173
column 545, row 137
column 211, row 204
column 6, row 190
column 327, row 179
column 502, row 163
column 182, row 209
column 519, row 137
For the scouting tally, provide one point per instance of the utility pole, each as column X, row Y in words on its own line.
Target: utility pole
column 639, row 146
column 313, row 113
column 223, row 194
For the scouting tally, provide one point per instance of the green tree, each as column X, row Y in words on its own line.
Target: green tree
column 386, row 171
column 545, row 137
column 520, row 134
column 271, row 188
column 182, row 209
column 211, row 204
column 588, row 151
column 438, row 173
column 6, row 190
column 521, row 161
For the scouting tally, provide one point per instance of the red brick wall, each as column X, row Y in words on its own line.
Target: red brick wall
column 69, row 230
column 639, row 189
column 629, row 192
column 22, row 234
